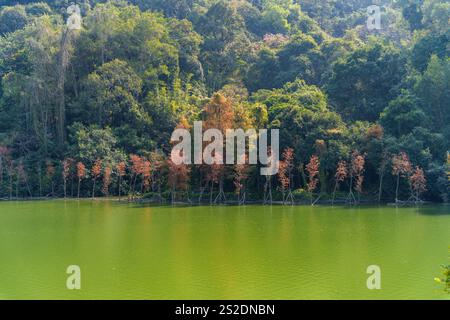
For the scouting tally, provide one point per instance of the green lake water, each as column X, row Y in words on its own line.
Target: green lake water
column 130, row 251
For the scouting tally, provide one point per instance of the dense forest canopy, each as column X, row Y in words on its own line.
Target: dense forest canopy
column 339, row 93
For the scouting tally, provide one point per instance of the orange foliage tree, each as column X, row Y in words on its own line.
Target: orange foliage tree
column 96, row 171
column 136, row 170
column 401, row 167
column 418, row 183
column 81, row 174
column 339, row 177
column 241, row 173
column 219, row 114
column 158, row 168
column 106, row 180
column 178, row 179
column 312, row 168
column 121, row 172
column 356, row 175
column 146, row 174
column 66, row 167
column 285, row 174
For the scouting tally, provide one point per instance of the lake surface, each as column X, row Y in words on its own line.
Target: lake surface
column 130, row 251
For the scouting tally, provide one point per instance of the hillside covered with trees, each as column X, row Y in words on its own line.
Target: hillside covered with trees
column 363, row 114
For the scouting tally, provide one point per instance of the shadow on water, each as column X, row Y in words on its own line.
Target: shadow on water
column 435, row 210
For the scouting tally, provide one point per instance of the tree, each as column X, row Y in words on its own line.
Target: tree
column 22, row 176
column 402, row 115
column 96, row 171
column 401, row 167
column 241, row 173
column 146, row 172
column 219, row 115
column 112, row 93
column 50, row 173
column 178, row 179
column 448, row 166
column 136, row 171
column 285, row 175
column 382, row 171
column 93, row 142
column 433, row 89
column 340, row 175
column 66, row 167
column 158, row 172
column 362, row 84
column 81, row 174
column 302, row 115
column 358, row 163
column 418, row 183
column 225, row 44
column 268, row 183
column 121, row 172
column 106, row 180
column 312, row 168
column 356, row 175
column 12, row 19
column 4, row 156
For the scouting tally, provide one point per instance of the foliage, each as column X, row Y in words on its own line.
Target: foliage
column 115, row 90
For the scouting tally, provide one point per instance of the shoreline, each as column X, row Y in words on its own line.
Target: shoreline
column 227, row 203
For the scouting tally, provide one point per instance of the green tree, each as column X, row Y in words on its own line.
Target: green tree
column 363, row 83
column 12, row 19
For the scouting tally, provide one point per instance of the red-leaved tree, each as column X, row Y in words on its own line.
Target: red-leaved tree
column 66, row 167
column 418, row 184
column 312, row 168
column 106, row 180
column 81, row 174
column 121, row 172
column 178, row 179
column 96, row 171
column 339, row 177
column 401, row 167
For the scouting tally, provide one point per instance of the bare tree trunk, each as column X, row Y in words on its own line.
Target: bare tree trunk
column 10, row 185
column 71, row 186
column 396, row 189
column 211, row 193
column 120, row 183
column 221, row 196
column 351, row 195
column 93, row 189
column 380, row 189
column 65, row 188
column 40, row 180
column 334, row 193
column 268, row 190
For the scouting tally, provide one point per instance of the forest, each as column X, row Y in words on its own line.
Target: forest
column 363, row 115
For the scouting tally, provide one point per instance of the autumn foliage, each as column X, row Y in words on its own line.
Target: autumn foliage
column 418, row 183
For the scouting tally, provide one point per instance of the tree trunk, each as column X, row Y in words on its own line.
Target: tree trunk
column 120, row 182
column 380, row 189
column 93, row 189
column 396, row 189
column 211, row 193
column 334, row 193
